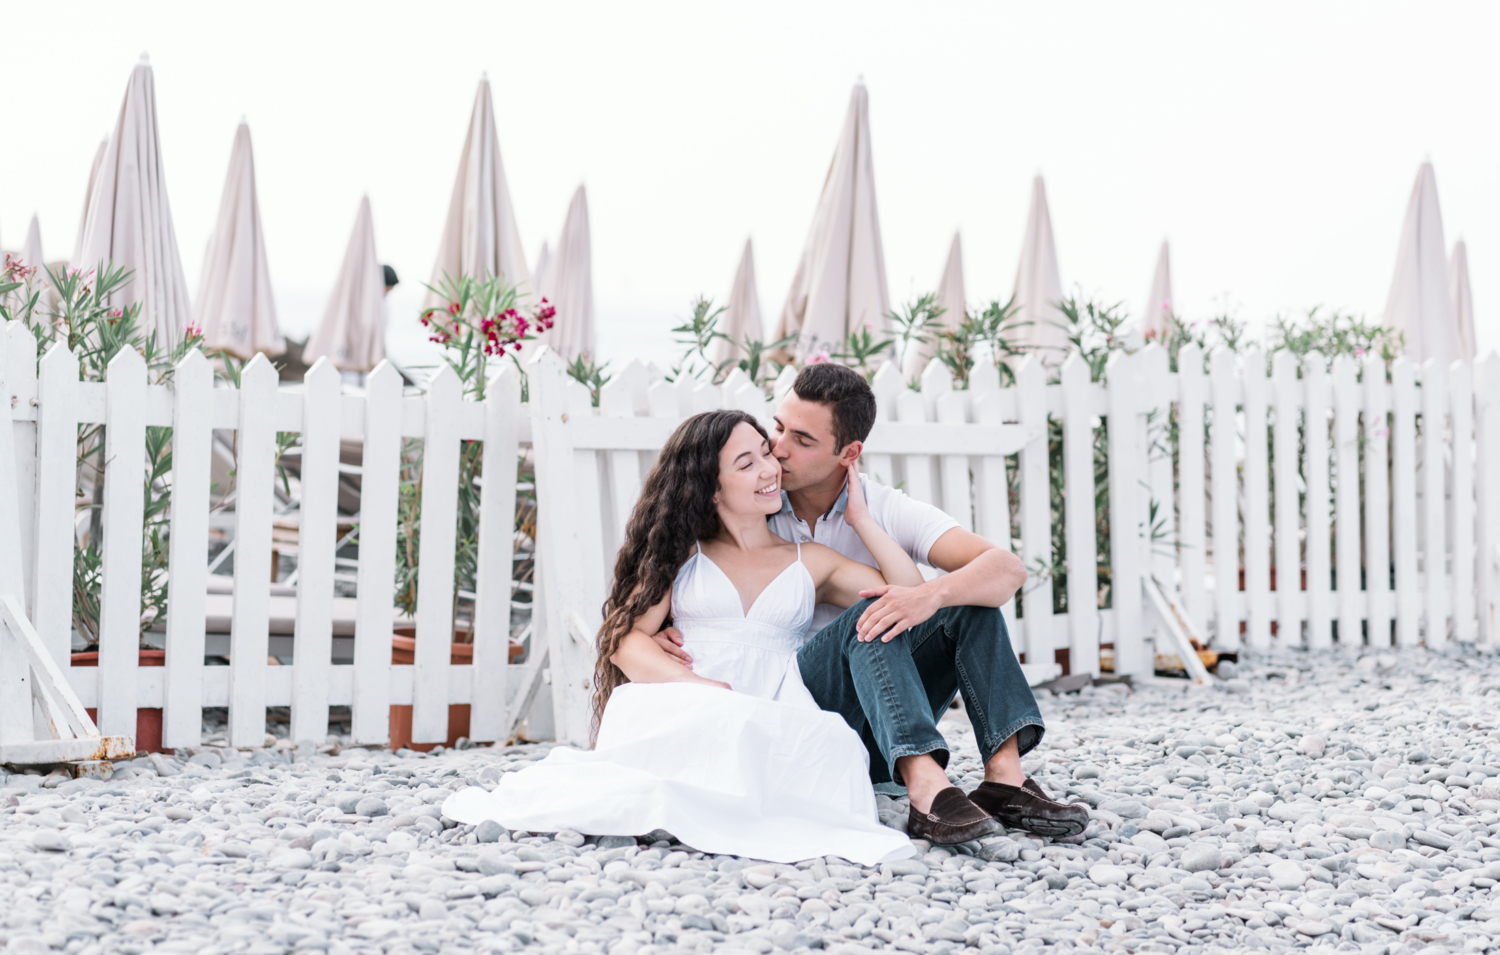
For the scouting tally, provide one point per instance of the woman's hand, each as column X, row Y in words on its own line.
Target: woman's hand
column 856, row 508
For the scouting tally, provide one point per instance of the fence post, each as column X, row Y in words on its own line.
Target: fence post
column 991, row 492
column 1225, row 489
column 439, row 516
column 1487, row 484
column 1036, row 510
column 952, row 408
column 21, row 383
column 15, row 670
column 187, row 557
column 56, row 487
column 887, row 385
column 623, row 397
column 254, row 491
column 322, row 401
column 1435, row 500
column 1192, row 551
column 1461, row 384
column 1127, row 557
column 1404, row 502
column 918, row 467
column 120, row 568
column 1377, row 472
column 1161, row 553
column 1288, row 568
column 497, row 521
column 1319, row 569
column 1079, row 517
column 380, row 490
column 1259, row 608
column 1346, row 406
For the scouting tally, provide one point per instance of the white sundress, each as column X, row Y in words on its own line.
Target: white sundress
column 758, row 771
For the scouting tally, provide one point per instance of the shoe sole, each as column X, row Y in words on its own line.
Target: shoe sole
column 1047, row 827
column 983, row 832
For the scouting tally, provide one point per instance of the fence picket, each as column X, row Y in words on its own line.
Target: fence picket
column 1404, row 502
column 1191, row 551
column 918, row 467
column 439, row 510
column 1259, row 601
column 187, row 558
column 1036, row 511
column 887, row 385
column 380, row 489
column 952, row 408
column 1346, row 406
column 1162, row 529
column 254, row 491
column 622, row 397
column 1223, row 491
column 56, row 484
column 120, row 567
column 992, row 495
column 19, row 350
column 1079, row 517
column 1379, row 609
column 317, row 532
column 1315, row 465
column 1487, row 494
column 1125, row 551
column 497, row 520
column 1434, row 501
column 1461, row 393
column 1288, row 566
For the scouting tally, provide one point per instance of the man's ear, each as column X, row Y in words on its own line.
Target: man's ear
column 851, row 453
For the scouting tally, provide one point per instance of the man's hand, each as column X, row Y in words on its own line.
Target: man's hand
column 670, row 640
column 898, row 610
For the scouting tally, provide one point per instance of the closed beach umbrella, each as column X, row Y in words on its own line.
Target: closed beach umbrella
column 950, row 298
column 1462, row 296
column 235, row 307
column 1038, row 286
column 129, row 220
column 88, row 196
column 1420, row 305
column 840, row 283
column 570, row 284
column 742, row 315
column 480, row 238
column 352, row 332
column 1156, row 320
column 539, row 273
column 31, row 250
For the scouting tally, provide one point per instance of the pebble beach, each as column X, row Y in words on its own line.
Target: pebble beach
column 1319, row 801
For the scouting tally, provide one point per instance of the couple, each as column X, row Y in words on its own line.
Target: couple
column 756, row 722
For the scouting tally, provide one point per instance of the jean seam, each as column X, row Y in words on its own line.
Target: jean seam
column 1012, row 730
column 979, row 711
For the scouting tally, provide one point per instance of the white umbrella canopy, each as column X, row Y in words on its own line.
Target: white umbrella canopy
column 129, row 220
column 235, row 307
column 742, row 314
column 1038, row 286
column 570, row 284
column 31, row 249
column 840, row 281
column 1462, row 296
column 1156, row 320
column 480, row 238
column 950, row 297
column 1419, row 305
column 88, row 197
column 352, row 332
column 539, row 272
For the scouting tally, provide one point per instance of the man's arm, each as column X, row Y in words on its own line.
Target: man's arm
column 979, row 574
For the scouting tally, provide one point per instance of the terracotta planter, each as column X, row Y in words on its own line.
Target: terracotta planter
column 403, row 652
column 147, row 718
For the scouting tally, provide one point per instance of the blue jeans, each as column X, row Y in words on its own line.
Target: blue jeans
column 893, row 694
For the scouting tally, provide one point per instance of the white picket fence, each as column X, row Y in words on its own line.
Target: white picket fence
column 1399, row 476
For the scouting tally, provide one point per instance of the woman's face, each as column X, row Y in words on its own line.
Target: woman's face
column 749, row 477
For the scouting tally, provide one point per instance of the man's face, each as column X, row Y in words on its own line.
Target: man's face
column 804, row 443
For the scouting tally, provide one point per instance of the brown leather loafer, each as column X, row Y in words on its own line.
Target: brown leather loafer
column 1028, row 807
column 952, row 819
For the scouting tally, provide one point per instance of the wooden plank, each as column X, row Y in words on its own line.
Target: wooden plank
column 992, row 499
column 1285, row 389
column 879, row 464
column 120, row 567
column 1315, row 464
column 51, row 681
column 1487, row 495
column 254, row 486
column 187, row 557
column 1434, row 501
column 911, row 409
column 1461, row 391
column 1079, row 517
column 380, row 481
column 1161, row 533
column 936, row 383
column 624, row 397
column 439, row 516
column 56, row 484
column 1404, row 502
column 1126, row 516
column 1346, row 408
column 1036, row 512
column 316, row 536
column 21, row 387
column 1379, row 606
column 497, row 517
column 952, row 408
column 16, row 727
column 1224, row 493
column 1259, row 606
column 1192, row 537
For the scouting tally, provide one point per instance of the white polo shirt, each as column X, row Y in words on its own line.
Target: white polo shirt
column 913, row 525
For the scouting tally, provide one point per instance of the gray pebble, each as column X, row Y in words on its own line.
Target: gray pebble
column 370, row 806
column 1201, row 857
column 490, row 831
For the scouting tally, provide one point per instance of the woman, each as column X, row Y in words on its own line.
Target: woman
column 732, row 756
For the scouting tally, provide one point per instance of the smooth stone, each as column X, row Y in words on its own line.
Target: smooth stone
column 489, row 831
column 50, row 840
column 1201, row 857
column 1105, row 874
column 1287, row 874
column 370, row 806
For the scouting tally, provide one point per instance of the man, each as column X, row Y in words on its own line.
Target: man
column 892, row 664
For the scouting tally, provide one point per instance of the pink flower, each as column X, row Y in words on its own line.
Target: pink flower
column 819, row 358
column 193, row 331
column 1359, row 351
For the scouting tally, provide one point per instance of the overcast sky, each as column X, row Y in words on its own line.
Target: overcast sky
column 1274, row 145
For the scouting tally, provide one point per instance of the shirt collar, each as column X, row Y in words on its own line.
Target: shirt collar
column 838, row 505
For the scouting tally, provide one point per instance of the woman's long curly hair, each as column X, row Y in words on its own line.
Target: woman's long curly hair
column 675, row 511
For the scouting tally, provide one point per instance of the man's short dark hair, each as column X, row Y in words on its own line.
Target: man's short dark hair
column 847, row 395
column 390, row 276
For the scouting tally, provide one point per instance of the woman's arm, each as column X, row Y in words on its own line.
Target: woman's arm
column 842, row 579
column 642, row 660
